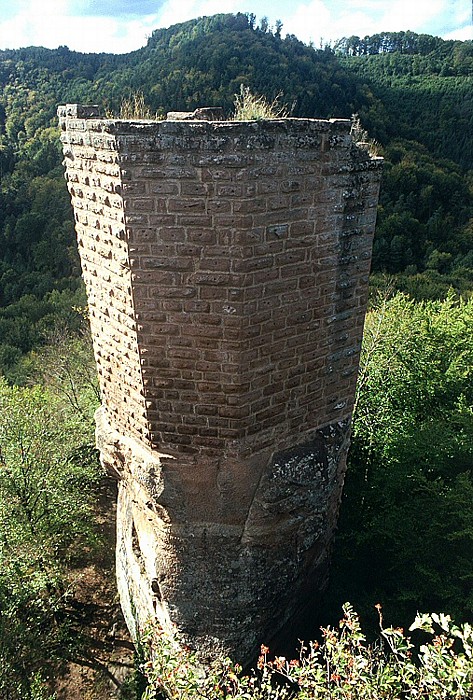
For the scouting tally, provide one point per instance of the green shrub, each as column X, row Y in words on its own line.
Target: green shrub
column 343, row 666
column 406, row 525
column 48, row 479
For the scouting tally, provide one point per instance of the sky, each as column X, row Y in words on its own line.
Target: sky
column 120, row 26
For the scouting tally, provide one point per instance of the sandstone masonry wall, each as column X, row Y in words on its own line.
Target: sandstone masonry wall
column 226, row 267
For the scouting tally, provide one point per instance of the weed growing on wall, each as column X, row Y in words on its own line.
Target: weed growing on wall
column 361, row 138
column 134, row 108
column 249, row 107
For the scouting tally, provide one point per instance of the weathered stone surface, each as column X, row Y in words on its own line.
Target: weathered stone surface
column 226, row 267
column 229, row 572
column 207, row 113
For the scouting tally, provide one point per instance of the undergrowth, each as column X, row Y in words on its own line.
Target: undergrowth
column 342, row 667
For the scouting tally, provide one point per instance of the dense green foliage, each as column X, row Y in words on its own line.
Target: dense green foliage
column 424, row 86
column 406, row 530
column 342, row 667
column 48, row 480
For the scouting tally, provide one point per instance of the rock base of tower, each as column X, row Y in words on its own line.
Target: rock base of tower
column 224, row 584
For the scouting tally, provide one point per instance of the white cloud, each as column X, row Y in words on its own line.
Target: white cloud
column 309, row 21
column 115, row 8
column 52, row 23
column 462, row 34
column 333, row 19
column 213, row 7
column 460, row 26
column 318, row 20
column 173, row 13
column 404, row 14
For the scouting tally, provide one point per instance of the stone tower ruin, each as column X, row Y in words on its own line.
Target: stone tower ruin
column 226, row 266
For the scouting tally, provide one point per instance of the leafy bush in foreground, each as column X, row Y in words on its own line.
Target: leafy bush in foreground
column 406, row 526
column 48, row 476
column 342, row 666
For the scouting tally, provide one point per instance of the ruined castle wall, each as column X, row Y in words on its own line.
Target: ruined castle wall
column 237, row 256
column 226, row 267
column 94, row 177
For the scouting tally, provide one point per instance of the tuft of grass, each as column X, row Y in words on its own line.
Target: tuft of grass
column 249, row 107
column 361, row 138
column 135, row 107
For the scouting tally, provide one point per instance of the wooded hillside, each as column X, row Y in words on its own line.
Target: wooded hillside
column 412, row 92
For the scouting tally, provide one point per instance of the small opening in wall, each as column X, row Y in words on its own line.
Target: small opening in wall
column 155, row 587
column 135, row 545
